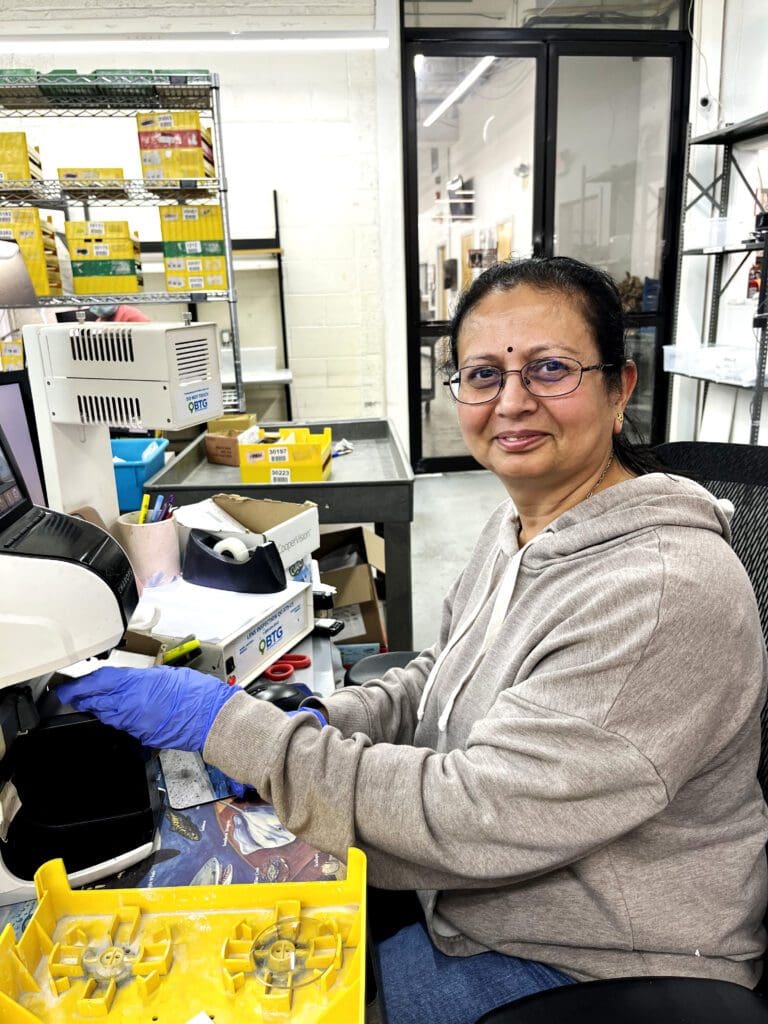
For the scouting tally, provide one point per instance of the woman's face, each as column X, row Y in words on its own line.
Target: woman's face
column 533, row 444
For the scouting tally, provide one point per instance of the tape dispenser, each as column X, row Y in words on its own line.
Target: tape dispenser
column 232, row 562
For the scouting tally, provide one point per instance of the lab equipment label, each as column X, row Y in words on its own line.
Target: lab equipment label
column 197, row 401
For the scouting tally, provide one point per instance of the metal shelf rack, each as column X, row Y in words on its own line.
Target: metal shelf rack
column 28, row 94
column 717, row 194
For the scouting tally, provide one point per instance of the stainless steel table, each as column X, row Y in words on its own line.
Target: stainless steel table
column 373, row 484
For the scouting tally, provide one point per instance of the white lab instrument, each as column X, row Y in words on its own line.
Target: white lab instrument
column 67, row 593
column 88, row 378
column 69, row 786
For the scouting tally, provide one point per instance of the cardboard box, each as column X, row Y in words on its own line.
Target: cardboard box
column 349, row 560
column 220, row 440
column 293, row 526
column 354, row 545
column 287, row 455
column 356, row 605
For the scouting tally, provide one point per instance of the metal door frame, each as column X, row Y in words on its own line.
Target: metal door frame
column 546, row 48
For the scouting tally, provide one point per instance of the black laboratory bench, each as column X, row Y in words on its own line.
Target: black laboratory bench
column 373, row 484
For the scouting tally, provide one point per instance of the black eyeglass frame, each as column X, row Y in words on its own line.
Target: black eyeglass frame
column 503, row 374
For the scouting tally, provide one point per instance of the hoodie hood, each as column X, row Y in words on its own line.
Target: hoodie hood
column 630, row 508
column 635, row 506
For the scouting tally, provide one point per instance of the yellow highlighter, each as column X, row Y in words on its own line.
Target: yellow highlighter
column 144, row 510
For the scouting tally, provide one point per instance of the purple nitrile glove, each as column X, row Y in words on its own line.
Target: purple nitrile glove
column 162, row 707
column 313, row 711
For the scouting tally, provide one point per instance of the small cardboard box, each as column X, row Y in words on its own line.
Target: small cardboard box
column 221, row 438
column 347, row 560
column 292, row 526
column 354, row 545
column 355, row 604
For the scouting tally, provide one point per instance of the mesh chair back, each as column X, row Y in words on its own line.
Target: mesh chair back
column 738, row 472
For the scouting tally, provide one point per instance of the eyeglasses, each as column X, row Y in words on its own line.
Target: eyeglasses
column 549, row 377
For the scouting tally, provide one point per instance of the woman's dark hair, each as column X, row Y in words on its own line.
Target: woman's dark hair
column 598, row 299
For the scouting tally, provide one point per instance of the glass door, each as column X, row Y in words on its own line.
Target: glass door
column 473, row 199
column 559, row 146
column 609, row 180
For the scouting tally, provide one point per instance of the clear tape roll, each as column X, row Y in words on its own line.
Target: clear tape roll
column 233, row 547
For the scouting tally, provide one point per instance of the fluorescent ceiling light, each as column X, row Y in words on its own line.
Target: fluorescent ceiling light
column 196, row 42
column 459, row 91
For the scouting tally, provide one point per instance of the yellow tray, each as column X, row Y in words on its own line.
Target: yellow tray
column 272, row 953
column 286, row 455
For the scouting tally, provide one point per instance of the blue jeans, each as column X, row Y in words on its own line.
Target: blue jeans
column 419, row 984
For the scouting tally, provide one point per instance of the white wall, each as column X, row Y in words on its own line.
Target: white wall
column 321, row 129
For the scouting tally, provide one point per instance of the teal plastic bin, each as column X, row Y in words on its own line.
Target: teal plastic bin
column 143, row 457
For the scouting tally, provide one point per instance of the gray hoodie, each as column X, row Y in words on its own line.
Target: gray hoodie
column 568, row 775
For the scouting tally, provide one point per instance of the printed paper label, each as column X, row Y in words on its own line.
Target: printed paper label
column 278, row 455
column 280, row 476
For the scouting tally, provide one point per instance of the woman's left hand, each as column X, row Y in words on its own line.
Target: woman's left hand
column 162, row 707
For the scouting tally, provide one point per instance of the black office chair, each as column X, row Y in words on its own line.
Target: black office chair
column 739, row 473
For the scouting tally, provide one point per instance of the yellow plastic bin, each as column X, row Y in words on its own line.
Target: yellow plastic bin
column 278, row 952
column 286, row 455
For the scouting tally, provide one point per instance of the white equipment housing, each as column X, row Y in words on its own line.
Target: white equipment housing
column 40, row 633
column 86, row 378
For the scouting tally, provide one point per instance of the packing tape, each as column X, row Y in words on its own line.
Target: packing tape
column 233, row 547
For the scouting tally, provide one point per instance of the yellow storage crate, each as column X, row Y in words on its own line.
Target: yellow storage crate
column 27, row 223
column 191, row 223
column 286, row 455
column 18, row 161
column 104, row 248
column 99, row 285
column 76, row 230
column 87, row 174
column 170, row 164
column 46, row 279
column 195, row 265
column 12, row 354
column 163, row 119
column 192, row 281
column 278, row 952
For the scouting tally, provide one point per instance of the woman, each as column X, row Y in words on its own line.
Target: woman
column 556, row 776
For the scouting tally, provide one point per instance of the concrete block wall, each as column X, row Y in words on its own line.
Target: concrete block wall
column 304, row 124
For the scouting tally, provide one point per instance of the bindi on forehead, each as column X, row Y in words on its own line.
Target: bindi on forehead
column 510, row 349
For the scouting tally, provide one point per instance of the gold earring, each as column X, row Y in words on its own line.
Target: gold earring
column 620, row 416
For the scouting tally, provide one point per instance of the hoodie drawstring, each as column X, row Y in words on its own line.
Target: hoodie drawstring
column 464, row 625
column 501, row 605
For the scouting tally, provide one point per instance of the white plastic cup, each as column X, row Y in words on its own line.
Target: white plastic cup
column 152, row 548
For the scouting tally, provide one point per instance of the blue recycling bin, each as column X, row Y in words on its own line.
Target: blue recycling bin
column 142, row 458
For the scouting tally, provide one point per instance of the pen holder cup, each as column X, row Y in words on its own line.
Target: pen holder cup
column 152, row 549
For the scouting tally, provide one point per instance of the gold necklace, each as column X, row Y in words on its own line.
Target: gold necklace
column 602, row 476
